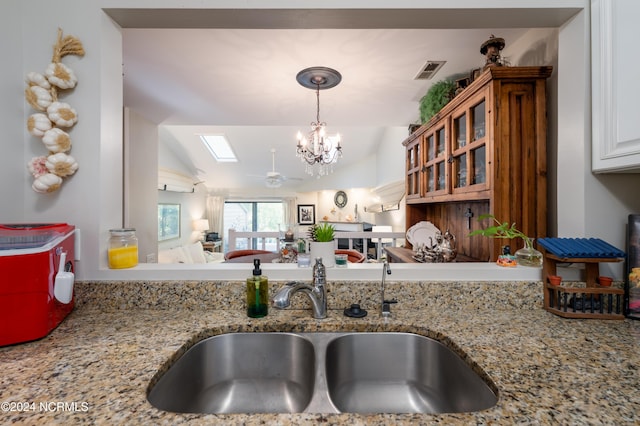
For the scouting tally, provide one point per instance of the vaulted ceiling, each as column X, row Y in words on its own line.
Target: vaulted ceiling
column 234, row 73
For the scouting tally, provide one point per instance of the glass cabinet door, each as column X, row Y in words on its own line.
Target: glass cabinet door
column 479, row 121
column 477, row 150
column 411, row 157
column 442, row 140
column 435, row 161
column 460, row 131
column 442, row 185
column 431, row 146
column 450, row 157
column 414, row 164
column 469, row 159
column 431, row 179
column 460, row 171
column 479, row 165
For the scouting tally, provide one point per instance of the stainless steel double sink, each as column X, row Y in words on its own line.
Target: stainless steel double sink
column 321, row 373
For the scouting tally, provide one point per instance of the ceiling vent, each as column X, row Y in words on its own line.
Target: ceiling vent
column 429, row 70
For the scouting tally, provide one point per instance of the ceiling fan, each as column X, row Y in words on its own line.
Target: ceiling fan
column 274, row 179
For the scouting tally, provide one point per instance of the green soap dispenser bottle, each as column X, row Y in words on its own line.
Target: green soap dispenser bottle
column 257, row 293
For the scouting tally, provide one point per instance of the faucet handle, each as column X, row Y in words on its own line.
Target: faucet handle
column 319, row 271
column 386, row 307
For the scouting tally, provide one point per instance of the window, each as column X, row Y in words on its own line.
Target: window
column 219, row 148
column 254, row 216
column 168, row 221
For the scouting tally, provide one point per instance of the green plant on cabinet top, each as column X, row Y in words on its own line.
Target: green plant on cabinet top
column 437, row 96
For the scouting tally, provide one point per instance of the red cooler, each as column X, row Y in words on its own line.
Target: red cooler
column 36, row 279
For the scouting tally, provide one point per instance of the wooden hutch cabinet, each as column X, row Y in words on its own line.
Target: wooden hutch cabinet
column 484, row 152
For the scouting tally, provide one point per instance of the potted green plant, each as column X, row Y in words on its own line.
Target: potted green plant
column 526, row 256
column 438, row 95
column 322, row 243
column 322, row 233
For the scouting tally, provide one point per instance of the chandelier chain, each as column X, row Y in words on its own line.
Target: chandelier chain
column 318, row 104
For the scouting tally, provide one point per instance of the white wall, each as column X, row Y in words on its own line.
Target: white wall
column 141, row 187
column 192, row 207
column 359, row 197
column 361, row 174
column 92, row 199
column 394, row 218
column 12, row 119
column 390, row 163
column 589, row 205
column 108, row 126
column 166, row 157
column 383, row 167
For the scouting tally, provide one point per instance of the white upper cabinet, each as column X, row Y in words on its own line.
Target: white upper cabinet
column 615, row 85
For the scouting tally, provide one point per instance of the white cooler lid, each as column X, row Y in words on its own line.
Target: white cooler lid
column 19, row 239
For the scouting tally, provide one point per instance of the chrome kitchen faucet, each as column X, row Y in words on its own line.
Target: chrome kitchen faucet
column 316, row 291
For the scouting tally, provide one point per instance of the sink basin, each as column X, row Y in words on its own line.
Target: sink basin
column 240, row 373
column 401, row 373
column 320, row 373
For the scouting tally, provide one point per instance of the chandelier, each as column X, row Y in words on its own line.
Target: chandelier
column 316, row 147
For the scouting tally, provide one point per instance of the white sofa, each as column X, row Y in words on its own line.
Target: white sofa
column 190, row 254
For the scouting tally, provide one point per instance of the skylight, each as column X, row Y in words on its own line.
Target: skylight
column 219, row 148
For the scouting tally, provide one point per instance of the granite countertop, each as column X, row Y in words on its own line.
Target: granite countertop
column 101, row 359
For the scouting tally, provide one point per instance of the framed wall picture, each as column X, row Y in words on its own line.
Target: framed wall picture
column 306, row 214
column 168, row 221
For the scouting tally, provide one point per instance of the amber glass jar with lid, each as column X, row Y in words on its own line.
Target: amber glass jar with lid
column 123, row 248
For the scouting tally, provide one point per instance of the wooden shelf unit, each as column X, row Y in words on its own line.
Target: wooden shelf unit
column 607, row 302
column 484, row 152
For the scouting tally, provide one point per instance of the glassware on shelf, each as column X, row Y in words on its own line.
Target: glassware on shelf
column 441, row 142
column 479, row 121
column 441, row 175
column 479, row 173
column 479, row 177
column 462, row 178
column 430, row 179
column 430, row 148
column 461, row 174
column 460, row 126
column 478, row 132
